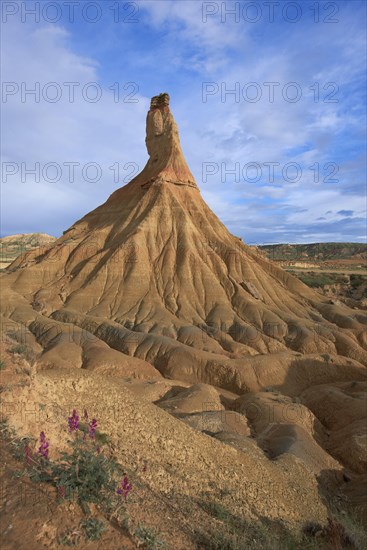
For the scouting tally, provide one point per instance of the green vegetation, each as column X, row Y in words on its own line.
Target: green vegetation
column 313, row 252
column 270, row 389
column 234, row 533
column 318, row 279
column 100, row 438
column 315, row 280
column 2, row 364
column 70, row 537
column 149, row 538
column 93, row 528
column 216, row 510
column 357, row 280
column 21, row 349
column 84, row 474
column 25, row 351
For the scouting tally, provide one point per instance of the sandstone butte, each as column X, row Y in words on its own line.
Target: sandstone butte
column 199, row 356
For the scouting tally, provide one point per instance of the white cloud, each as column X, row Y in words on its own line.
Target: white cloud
column 213, row 131
column 104, row 133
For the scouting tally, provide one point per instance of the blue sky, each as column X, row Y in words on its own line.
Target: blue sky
column 281, row 159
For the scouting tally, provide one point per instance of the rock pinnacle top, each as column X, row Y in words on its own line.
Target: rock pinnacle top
column 161, row 100
column 166, row 162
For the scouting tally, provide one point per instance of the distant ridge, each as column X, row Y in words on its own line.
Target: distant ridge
column 315, row 251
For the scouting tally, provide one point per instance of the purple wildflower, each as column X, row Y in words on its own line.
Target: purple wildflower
column 125, row 487
column 73, row 421
column 43, row 448
column 61, row 491
column 92, row 428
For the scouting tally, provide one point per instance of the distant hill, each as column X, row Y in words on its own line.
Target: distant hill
column 315, row 252
column 14, row 245
column 337, row 270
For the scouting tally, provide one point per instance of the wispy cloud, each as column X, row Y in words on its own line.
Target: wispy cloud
column 172, row 49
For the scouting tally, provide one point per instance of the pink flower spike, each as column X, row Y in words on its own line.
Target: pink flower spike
column 125, row 488
column 73, row 421
column 92, row 428
column 43, row 448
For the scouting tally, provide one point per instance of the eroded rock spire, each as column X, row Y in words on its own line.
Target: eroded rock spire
column 166, row 162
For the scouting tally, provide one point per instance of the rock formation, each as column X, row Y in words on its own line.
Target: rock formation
column 152, row 284
column 154, row 274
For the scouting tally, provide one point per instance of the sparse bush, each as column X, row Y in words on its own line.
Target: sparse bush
column 19, row 348
column 312, row 529
column 25, row 351
column 235, row 533
column 70, row 537
column 335, row 534
column 84, row 473
column 149, row 537
column 93, row 528
column 100, row 437
column 315, row 280
column 355, row 529
column 216, row 510
column 356, row 280
column 270, row 389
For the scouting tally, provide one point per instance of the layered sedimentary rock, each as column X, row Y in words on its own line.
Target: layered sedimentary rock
column 152, row 284
column 154, row 274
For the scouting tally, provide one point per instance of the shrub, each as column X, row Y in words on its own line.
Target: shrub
column 149, row 538
column 2, row 364
column 315, row 280
column 25, row 351
column 216, row 510
column 19, row 348
column 84, row 473
column 272, row 390
column 93, row 528
column 335, row 534
column 70, row 537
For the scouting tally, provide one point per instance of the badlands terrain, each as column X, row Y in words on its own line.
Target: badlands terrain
column 338, row 270
column 14, row 245
column 232, row 394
